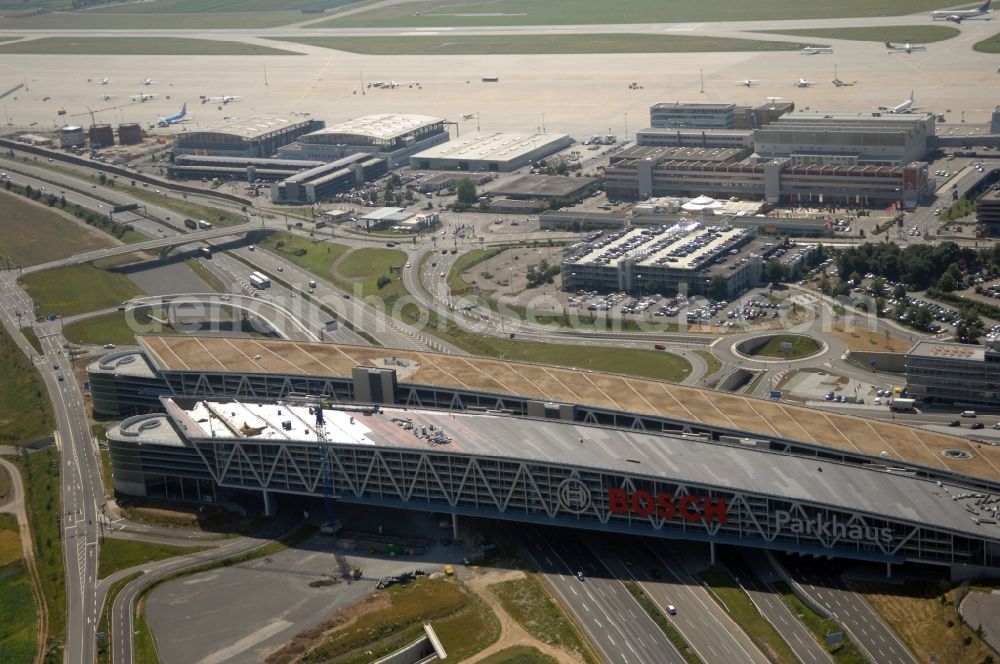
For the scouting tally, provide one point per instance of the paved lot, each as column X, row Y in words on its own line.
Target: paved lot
column 579, row 94
column 169, row 279
column 980, row 608
column 237, row 614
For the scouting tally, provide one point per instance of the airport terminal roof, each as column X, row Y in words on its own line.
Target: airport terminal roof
column 243, row 127
column 386, row 126
column 500, row 146
column 629, row 452
column 580, row 385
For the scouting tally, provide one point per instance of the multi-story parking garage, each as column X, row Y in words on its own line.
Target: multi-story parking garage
column 800, row 472
column 560, row 473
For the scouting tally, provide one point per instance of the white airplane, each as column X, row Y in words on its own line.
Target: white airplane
column 904, row 106
column 959, row 15
column 468, row 116
column 142, row 97
column 816, row 50
column 225, row 99
column 148, row 81
column 908, row 47
column 172, row 119
column 103, row 81
column 747, row 82
column 803, row 83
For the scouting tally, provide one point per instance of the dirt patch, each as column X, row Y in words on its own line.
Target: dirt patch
column 511, row 632
column 302, row 643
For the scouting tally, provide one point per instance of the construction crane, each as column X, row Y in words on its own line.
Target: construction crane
column 315, row 405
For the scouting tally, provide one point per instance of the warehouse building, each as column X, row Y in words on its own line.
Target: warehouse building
column 496, row 152
column 952, row 373
column 243, row 137
column 681, row 258
column 394, row 137
column 847, row 139
column 327, row 180
column 641, row 172
column 247, row 169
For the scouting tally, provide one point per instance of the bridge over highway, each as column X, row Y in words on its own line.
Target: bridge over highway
column 148, row 245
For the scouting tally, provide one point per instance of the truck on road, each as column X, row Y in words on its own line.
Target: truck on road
column 899, row 405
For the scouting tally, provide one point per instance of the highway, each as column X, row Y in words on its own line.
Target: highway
column 613, row 620
column 824, row 585
column 753, row 571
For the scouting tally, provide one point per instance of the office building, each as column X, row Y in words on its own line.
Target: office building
column 327, row 180
column 951, row 373
column 673, row 115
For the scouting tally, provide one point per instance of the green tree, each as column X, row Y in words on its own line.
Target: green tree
column 947, row 282
column 969, row 329
column 899, row 291
column 466, row 191
column 774, row 271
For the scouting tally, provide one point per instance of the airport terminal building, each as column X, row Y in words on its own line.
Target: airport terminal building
column 393, row 136
column 482, row 453
column 243, row 137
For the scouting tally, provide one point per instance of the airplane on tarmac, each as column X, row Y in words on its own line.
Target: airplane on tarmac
column 225, row 99
column 803, row 83
column 959, row 15
column 904, row 106
column 148, row 81
column 468, row 116
column 836, row 79
column 172, row 119
column 909, row 48
column 747, row 82
column 142, row 97
column 102, row 81
column 816, row 50
column 106, row 97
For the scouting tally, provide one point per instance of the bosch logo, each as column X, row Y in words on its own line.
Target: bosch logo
column 574, row 496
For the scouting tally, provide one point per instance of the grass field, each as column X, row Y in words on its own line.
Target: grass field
column 145, row 642
column 100, row 330
column 463, row 623
column 712, row 363
column 21, row 392
column 220, row 6
column 456, row 280
column 923, row 615
column 317, row 257
column 743, row 611
column 434, row 13
column 912, row 34
column 518, row 655
column 58, row 291
column 18, row 615
column 32, row 338
column 527, row 602
column 136, row 46
column 800, row 347
column 40, row 473
column 6, row 493
column 34, row 234
column 117, row 554
column 991, row 45
column 368, row 264
column 516, row 44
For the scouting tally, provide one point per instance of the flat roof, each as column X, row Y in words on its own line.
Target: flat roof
column 689, row 105
column 543, row 186
column 693, row 131
column 499, row 146
column 948, row 351
column 580, row 385
column 245, row 127
column 384, row 126
column 633, row 453
column 125, row 362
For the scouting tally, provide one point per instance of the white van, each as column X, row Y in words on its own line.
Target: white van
column 968, row 413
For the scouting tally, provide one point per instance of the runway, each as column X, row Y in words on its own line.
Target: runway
column 579, row 94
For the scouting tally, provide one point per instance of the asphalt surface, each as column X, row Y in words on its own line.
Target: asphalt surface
column 753, row 572
column 613, row 620
column 873, row 637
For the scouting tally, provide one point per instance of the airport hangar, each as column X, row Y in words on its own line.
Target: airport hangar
column 485, row 439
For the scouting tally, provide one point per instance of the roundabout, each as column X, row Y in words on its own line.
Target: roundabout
column 779, row 347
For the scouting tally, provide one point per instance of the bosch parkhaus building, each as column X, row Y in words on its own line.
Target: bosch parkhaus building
column 207, row 423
